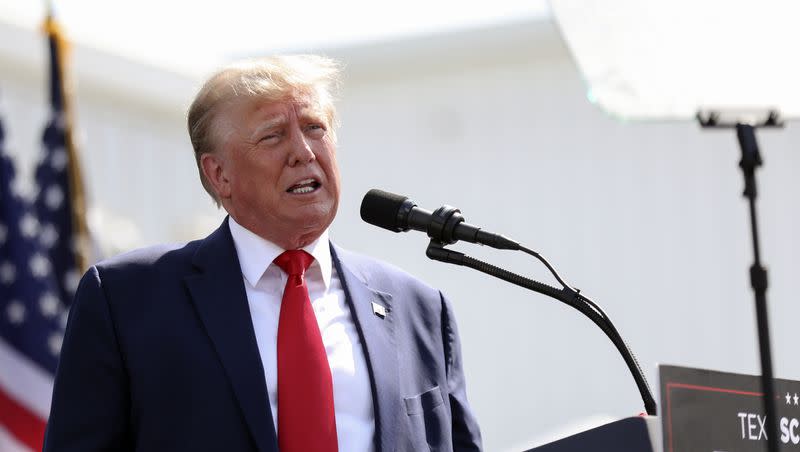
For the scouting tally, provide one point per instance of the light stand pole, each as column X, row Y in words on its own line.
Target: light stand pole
column 751, row 159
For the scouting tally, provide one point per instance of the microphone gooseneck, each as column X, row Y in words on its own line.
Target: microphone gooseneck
column 446, row 226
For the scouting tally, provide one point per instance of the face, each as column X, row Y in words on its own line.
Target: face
column 275, row 169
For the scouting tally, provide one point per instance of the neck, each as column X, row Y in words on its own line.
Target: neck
column 286, row 239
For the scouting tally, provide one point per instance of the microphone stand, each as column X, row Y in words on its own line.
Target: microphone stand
column 751, row 159
column 436, row 250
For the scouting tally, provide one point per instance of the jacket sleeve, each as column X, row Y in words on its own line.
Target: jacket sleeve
column 91, row 404
column 466, row 434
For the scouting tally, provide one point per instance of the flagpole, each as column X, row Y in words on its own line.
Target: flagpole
column 76, row 187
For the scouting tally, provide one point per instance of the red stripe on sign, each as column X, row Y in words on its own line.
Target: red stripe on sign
column 21, row 422
column 670, row 386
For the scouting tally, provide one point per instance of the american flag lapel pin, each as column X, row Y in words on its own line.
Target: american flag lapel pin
column 379, row 310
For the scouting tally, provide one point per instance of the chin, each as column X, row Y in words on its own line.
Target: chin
column 315, row 214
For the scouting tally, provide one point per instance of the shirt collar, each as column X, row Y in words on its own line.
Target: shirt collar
column 256, row 254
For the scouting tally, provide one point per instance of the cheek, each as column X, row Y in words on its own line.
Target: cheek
column 332, row 173
column 327, row 159
column 264, row 170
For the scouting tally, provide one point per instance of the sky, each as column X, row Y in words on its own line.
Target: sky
column 192, row 36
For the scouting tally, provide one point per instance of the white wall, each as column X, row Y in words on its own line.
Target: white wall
column 647, row 219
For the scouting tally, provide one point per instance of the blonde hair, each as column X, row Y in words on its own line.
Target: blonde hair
column 272, row 78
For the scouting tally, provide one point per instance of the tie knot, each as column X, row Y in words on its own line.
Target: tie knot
column 294, row 262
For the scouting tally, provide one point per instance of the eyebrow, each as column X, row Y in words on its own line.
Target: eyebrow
column 307, row 113
column 312, row 113
column 270, row 123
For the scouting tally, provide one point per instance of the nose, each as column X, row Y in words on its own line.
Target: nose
column 300, row 152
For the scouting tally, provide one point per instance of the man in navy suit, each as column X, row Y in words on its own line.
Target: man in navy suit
column 181, row 348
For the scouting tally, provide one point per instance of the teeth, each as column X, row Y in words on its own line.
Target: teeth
column 304, row 186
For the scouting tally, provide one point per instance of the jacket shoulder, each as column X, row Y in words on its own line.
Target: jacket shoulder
column 380, row 275
column 164, row 258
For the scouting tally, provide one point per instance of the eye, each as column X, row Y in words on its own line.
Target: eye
column 271, row 137
column 316, row 130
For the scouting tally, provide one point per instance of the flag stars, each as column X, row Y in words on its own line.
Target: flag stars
column 15, row 312
column 48, row 236
column 54, row 343
column 29, row 226
column 8, row 273
column 49, row 305
column 23, row 190
column 71, row 281
column 54, row 197
column 59, row 159
column 40, row 266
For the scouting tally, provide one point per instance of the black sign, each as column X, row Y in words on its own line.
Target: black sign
column 707, row 411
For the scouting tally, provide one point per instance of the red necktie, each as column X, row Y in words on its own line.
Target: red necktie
column 306, row 420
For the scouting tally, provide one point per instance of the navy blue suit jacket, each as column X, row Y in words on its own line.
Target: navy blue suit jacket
column 160, row 355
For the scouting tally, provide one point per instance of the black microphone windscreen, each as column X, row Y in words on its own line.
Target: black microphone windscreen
column 380, row 208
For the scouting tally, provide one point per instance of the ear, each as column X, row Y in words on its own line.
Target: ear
column 215, row 171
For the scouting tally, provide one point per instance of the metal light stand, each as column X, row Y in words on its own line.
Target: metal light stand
column 745, row 125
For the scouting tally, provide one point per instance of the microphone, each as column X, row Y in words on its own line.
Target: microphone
column 446, row 225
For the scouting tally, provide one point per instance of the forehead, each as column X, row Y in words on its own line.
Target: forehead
column 247, row 116
column 260, row 108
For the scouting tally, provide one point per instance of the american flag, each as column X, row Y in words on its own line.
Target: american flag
column 38, row 274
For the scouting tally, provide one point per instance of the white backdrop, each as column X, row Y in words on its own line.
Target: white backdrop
column 647, row 219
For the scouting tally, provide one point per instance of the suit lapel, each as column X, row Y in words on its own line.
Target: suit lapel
column 380, row 350
column 217, row 291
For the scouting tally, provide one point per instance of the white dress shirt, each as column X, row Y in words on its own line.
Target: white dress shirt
column 264, row 283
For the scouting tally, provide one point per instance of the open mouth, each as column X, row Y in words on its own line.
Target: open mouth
column 304, row 186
